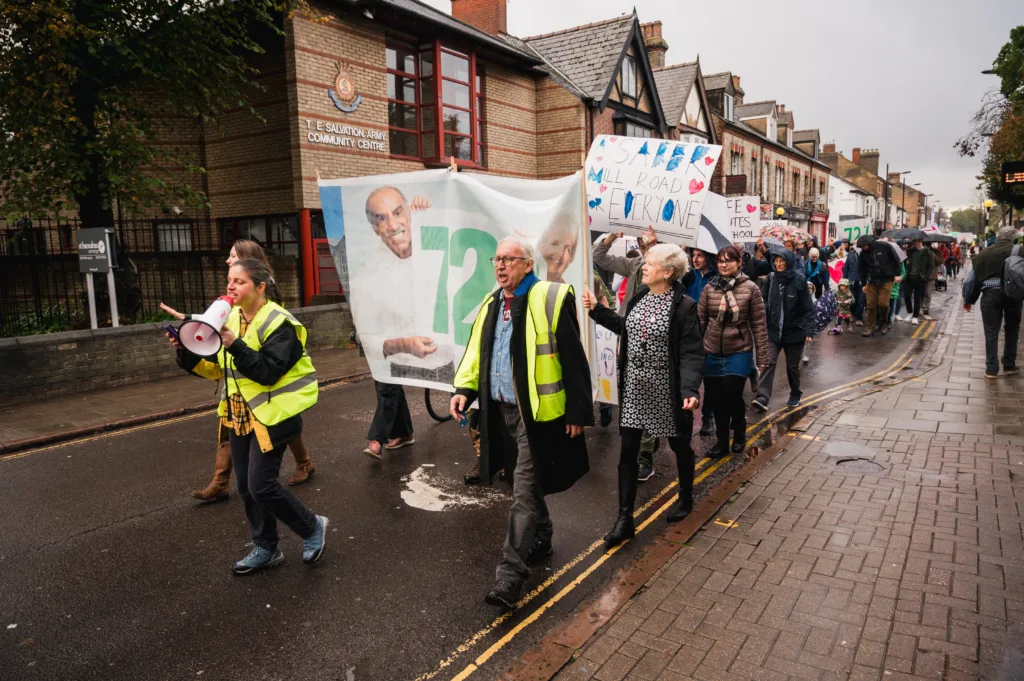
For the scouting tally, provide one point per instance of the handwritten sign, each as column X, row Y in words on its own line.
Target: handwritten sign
column 738, row 218
column 635, row 182
column 606, row 378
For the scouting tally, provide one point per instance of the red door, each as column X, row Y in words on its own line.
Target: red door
column 326, row 281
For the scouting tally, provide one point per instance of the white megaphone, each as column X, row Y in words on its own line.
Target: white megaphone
column 201, row 334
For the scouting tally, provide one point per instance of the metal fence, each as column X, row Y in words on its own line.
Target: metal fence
column 176, row 261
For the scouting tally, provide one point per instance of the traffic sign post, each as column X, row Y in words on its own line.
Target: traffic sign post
column 96, row 256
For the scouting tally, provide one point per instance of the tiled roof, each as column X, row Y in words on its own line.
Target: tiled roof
column 717, row 81
column 425, row 12
column 806, row 136
column 754, row 109
column 792, row 150
column 587, row 55
column 674, row 83
column 546, row 66
column 786, row 118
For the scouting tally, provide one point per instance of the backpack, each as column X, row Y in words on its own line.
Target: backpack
column 1013, row 275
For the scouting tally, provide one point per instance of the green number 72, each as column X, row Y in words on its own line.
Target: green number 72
column 471, row 292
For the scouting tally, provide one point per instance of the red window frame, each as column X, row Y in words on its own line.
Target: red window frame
column 475, row 136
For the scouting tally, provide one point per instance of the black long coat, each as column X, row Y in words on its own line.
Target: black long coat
column 559, row 460
column 685, row 349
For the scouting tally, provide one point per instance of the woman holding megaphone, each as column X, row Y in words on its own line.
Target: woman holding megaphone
column 270, row 381
column 217, row 490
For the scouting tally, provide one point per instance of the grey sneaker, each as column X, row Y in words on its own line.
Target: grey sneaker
column 259, row 559
column 313, row 547
column 646, row 471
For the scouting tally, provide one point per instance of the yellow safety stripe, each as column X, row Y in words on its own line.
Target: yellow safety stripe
column 298, row 384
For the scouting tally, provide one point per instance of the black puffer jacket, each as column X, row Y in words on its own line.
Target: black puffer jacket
column 788, row 303
column 878, row 262
column 685, row 351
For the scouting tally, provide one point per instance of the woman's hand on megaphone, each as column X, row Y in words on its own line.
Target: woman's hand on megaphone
column 171, row 311
column 227, row 337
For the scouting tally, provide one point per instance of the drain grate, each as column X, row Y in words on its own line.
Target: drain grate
column 859, row 465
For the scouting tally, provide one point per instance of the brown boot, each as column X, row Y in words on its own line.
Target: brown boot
column 473, row 477
column 303, row 464
column 217, row 490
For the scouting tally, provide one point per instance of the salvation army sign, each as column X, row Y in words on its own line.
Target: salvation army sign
column 635, row 182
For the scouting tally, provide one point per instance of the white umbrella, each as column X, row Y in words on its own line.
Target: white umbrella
column 899, row 251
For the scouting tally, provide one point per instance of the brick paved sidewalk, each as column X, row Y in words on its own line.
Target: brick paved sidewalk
column 31, row 419
column 906, row 562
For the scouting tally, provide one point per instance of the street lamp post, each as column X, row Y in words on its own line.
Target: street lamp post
column 988, row 209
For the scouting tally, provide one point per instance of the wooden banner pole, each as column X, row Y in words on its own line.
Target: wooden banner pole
column 588, row 266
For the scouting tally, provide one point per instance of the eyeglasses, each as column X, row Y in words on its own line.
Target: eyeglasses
column 506, row 260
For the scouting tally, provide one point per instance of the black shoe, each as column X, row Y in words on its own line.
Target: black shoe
column 707, row 427
column 758, row 403
column 679, row 511
column 622, row 530
column 504, row 593
column 606, row 417
column 540, row 551
column 737, row 447
column 720, row 449
column 646, row 471
column 473, row 477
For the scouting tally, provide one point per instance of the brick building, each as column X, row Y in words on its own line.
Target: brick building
column 760, row 156
column 861, row 171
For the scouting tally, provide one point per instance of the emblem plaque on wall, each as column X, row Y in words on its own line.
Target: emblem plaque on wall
column 344, row 93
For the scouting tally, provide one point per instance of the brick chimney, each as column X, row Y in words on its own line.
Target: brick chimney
column 829, row 148
column 656, row 45
column 487, row 15
column 869, row 160
column 738, row 89
column 782, row 108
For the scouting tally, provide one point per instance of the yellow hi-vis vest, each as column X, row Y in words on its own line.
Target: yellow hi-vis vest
column 297, row 390
column 543, row 365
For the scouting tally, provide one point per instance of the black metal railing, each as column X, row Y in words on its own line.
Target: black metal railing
column 178, row 261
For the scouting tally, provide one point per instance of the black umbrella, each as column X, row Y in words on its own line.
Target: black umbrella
column 939, row 238
column 906, row 233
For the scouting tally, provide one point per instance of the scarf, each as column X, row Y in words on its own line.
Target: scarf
column 817, row 268
column 727, row 304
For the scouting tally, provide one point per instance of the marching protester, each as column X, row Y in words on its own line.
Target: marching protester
column 694, row 282
column 731, row 312
column 263, row 357
column 852, row 273
column 790, row 314
column 920, row 265
column 938, row 261
column 217, row 490
column 844, row 303
column 986, row 281
column 530, row 422
column 879, row 265
column 391, row 427
column 630, row 268
column 661, row 355
column 895, row 300
column 816, row 273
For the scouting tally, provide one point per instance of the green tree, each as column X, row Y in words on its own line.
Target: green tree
column 1009, row 66
column 967, row 220
column 84, row 84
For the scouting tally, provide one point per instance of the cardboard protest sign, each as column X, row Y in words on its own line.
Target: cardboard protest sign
column 604, row 362
column 738, row 218
column 634, row 182
column 413, row 253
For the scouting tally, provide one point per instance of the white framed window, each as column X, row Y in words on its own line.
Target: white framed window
column 773, row 131
column 727, row 106
column 173, row 236
column 789, row 137
column 628, row 76
column 780, row 180
column 735, row 163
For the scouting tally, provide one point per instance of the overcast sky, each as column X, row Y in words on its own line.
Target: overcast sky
column 902, row 76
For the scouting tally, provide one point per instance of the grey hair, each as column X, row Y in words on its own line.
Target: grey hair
column 524, row 246
column 671, row 257
column 1007, row 234
column 369, row 214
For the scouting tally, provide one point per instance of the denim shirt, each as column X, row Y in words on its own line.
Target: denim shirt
column 502, row 387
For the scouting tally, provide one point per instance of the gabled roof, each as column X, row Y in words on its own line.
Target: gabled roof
column 587, row 55
column 717, row 81
column 545, row 65
column 743, row 127
column 754, row 110
column 417, row 11
column 806, row 136
column 674, row 84
column 786, row 118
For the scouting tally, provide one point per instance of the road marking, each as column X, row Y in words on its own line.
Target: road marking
column 728, row 524
column 931, row 327
column 923, row 330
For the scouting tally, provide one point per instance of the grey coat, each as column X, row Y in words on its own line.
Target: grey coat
column 625, row 266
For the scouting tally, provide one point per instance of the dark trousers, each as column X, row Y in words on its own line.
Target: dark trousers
column 857, row 309
column 707, row 407
column 912, row 289
column 794, row 353
column 392, row 418
column 726, row 392
column 264, row 499
column 995, row 308
column 684, row 459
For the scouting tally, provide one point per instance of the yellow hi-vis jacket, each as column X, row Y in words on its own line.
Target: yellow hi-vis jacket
column 293, row 394
column 543, row 366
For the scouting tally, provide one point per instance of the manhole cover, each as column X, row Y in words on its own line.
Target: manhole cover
column 858, row 465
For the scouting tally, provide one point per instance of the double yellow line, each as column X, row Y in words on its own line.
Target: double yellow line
column 926, row 328
column 760, row 427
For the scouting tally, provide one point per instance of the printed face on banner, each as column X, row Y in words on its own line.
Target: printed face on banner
column 413, row 253
column 633, row 183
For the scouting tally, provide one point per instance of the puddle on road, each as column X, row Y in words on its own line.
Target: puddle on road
column 429, row 490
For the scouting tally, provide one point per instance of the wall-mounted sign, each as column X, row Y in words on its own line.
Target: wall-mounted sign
column 735, row 184
column 344, row 93
column 344, row 135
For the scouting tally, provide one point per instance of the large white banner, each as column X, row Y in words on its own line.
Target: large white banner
column 635, row 182
column 413, row 252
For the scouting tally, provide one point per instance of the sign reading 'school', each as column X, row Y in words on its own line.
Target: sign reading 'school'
column 635, row 182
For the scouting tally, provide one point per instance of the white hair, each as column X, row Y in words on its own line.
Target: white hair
column 524, row 246
column 670, row 256
column 813, row 251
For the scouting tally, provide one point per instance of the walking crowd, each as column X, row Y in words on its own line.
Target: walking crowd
column 694, row 328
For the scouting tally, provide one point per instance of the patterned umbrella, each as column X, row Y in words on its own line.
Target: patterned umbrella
column 783, row 233
column 824, row 311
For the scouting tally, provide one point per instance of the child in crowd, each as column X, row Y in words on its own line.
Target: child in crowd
column 844, row 299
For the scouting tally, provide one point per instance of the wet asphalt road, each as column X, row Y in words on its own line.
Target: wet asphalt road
column 108, row 570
